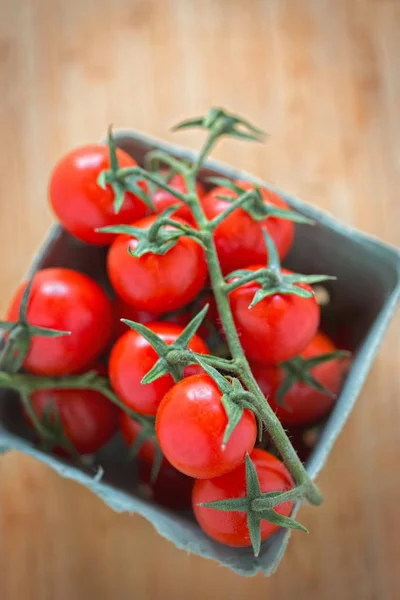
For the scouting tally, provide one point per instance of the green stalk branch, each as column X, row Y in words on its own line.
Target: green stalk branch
column 25, row 384
column 218, row 123
column 221, row 292
column 140, row 173
column 243, row 199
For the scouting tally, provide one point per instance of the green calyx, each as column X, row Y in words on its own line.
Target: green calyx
column 271, row 278
column 220, row 122
column 162, row 235
column 254, row 203
column 259, row 506
column 173, row 358
column 20, row 334
column 299, row 370
column 235, row 399
column 122, row 180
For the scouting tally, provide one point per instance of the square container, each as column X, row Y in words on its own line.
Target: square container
column 364, row 299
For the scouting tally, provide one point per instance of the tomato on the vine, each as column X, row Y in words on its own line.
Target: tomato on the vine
column 302, row 404
column 70, row 301
column 162, row 199
column 239, row 238
column 131, row 359
column 190, row 426
column 230, row 528
column 88, row 419
column 171, row 488
column 157, row 282
column 278, row 327
column 80, row 204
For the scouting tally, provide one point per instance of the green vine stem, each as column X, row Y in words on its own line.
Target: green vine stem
column 240, row 363
column 26, row 384
column 219, row 124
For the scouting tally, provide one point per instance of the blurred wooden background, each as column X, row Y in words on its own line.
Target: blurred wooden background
column 323, row 77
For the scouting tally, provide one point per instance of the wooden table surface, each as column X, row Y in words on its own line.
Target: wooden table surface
column 323, row 77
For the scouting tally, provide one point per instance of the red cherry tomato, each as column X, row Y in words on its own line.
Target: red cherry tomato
column 67, row 300
column 239, row 238
column 190, row 427
column 80, row 204
column 89, row 420
column 132, row 357
column 230, row 528
column 171, row 489
column 153, row 282
column 302, row 404
column 163, row 199
column 277, row 328
column 130, row 431
column 122, row 310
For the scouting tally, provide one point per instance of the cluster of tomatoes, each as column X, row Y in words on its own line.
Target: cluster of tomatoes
column 164, row 291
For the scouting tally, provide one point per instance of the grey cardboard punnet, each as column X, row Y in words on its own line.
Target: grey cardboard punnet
column 364, row 296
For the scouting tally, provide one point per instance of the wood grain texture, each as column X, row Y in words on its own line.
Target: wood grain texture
column 323, row 77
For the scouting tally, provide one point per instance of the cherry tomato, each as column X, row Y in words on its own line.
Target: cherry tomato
column 89, row 420
column 67, row 300
column 230, row 528
column 171, row 489
column 163, row 199
column 190, row 426
column 153, row 282
column 130, row 431
column 239, row 238
column 132, row 357
column 302, row 404
column 277, row 328
column 122, row 310
column 80, row 204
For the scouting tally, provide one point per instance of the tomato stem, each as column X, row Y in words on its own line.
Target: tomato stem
column 240, row 364
column 25, row 384
column 158, row 181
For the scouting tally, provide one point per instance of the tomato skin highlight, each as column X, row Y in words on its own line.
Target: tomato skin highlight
column 132, row 357
column 80, row 204
column 239, row 238
column 190, row 426
column 157, row 283
column 71, row 301
column 303, row 404
column 163, row 199
column 230, row 528
column 277, row 328
column 89, row 420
